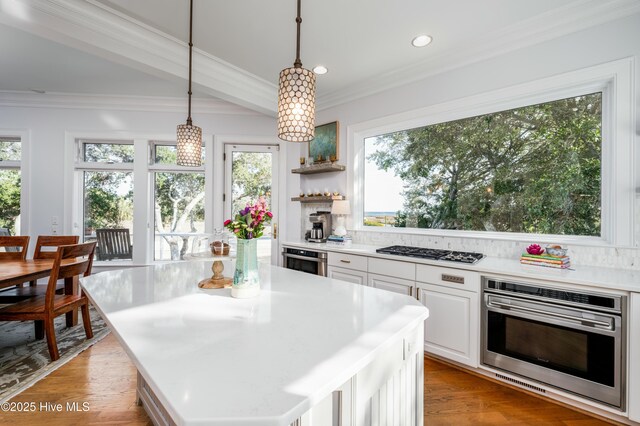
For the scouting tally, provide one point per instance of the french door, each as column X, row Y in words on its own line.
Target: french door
column 251, row 171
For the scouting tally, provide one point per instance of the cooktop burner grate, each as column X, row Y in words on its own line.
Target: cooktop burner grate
column 434, row 254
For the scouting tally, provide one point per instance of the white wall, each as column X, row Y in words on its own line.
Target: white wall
column 46, row 128
column 604, row 43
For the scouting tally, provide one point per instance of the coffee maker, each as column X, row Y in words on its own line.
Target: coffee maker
column 320, row 226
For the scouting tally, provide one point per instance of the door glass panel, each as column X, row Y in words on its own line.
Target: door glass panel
column 108, row 204
column 179, row 214
column 252, row 178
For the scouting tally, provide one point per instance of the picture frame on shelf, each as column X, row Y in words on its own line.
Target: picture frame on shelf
column 325, row 144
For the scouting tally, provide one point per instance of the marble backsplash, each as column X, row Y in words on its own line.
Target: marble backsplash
column 624, row 258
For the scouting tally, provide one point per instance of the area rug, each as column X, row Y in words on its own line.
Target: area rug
column 24, row 360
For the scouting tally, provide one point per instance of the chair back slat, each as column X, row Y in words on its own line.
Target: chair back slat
column 83, row 261
column 52, row 241
column 113, row 243
column 15, row 248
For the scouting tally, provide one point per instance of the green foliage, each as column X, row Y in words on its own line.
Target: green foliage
column 534, row 169
column 9, row 198
column 174, row 194
column 251, row 173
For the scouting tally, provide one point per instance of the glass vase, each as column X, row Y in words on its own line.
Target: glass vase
column 246, row 280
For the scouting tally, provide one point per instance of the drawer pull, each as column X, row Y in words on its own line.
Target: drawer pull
column 452, row 279
column 345, row 261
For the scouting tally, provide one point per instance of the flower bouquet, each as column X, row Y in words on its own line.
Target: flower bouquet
column 249, row 222
column 248, row 225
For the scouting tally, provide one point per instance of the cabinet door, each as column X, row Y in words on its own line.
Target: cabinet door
column 397, row 285
column 451, row 331
column 349, row 275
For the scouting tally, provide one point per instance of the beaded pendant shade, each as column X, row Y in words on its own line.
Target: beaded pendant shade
column 189, row 149
column 297, row 99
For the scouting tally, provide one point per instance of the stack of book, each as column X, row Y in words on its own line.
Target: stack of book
column 545, row 260
column 339, row 241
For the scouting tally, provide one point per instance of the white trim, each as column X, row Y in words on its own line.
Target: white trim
column 100, row 30
column 24, row 165
column 614, row 78
column 569, row 18
column 120, row 103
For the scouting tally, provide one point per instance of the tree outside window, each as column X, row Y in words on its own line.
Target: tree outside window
column 10, row 184
column 535, row 169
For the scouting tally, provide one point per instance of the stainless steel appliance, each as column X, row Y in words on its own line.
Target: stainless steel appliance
column 569, row 339
column 320, row 226
column 310, row 261
column 434, row 254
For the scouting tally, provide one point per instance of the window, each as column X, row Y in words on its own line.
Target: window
column 10, row 184
column 179, row 211
column 107, row 196
column 534, row 169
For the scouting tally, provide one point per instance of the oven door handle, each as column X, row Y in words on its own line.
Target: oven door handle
column 310, row 259
column 585, row 321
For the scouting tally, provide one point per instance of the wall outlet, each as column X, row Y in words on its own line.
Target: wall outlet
column 54, row 220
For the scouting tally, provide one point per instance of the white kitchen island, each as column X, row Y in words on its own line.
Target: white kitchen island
column 307, row 350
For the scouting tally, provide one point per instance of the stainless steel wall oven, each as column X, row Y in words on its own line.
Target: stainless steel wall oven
column 569, row 339
column 310, row 261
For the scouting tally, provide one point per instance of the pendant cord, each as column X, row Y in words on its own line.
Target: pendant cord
column 190, row 56
column 298, row 62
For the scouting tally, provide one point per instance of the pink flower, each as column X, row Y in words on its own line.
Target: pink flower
column 270, row 214
column 236, row 230
column 226, row 222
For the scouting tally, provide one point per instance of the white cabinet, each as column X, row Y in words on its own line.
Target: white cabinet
column 397, row 285
column 633, row 400
column 347, row 267
column 349, row 275
column 452, row 329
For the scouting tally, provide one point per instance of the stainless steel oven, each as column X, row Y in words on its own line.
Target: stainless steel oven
column 310, row 261
column 569, row 339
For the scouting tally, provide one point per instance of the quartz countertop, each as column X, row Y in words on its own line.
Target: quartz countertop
column 213, row 359
column 592, row 276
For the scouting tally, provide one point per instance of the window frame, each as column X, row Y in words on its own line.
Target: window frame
column 155, row 168
column 143, row 190
column 613, row 79
column 23, row 165
column 79, row 167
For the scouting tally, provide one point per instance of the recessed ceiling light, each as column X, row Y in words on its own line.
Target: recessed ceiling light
column 421, row 40
column 320, row 69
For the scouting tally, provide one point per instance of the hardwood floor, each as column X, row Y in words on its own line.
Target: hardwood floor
column 104, row 377
column 455, row 397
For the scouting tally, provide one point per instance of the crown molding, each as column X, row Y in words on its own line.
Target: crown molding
column 119, row 103
column 575, row 16
column 102, row 31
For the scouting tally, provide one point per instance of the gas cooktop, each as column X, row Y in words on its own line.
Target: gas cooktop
column 434, row 254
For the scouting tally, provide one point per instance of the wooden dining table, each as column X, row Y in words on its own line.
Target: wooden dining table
column 15, row 272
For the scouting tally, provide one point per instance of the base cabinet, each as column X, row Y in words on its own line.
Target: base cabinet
column 451, row 331
column 349, row 275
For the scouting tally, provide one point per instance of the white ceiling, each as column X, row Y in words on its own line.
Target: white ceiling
column 364, row 43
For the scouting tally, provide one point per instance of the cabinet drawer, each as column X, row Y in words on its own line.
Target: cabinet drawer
column 448, row 277
column 392, row 268
column 350, row 261
column 396, row 285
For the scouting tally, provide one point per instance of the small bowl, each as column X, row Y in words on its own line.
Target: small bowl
column 556, row 252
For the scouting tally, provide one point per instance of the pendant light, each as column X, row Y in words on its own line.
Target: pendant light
column 297, row 99
column 189, row 150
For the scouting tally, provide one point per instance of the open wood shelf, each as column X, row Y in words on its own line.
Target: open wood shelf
column 318, row 199
column 319, row 168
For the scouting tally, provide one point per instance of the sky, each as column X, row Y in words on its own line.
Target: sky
column 381, row 189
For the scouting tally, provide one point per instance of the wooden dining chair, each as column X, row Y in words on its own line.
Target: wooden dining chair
column 15, row 248
column 70, row 261
column 46, row 248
